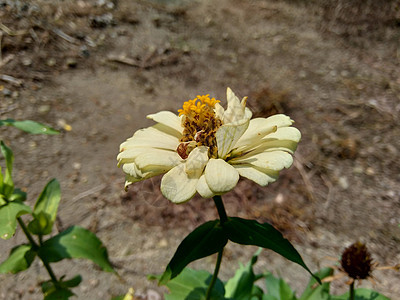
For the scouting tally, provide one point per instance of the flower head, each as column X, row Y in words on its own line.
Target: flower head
column 206, row 148
column 356, row 261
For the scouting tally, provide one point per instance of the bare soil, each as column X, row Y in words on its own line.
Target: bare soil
column 95, row 69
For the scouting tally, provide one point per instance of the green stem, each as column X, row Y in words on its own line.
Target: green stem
column 351, row 296
column 221, row 209
column 215, row 275
column 35, row 247
column 223, row 218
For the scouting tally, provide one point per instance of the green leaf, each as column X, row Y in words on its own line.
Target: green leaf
column 58, row 293
column 192, row 285
column 73, row 282
column 361, row 294
column 7, row 186
column 76, row 242
column 18, row 195
column 240, row 287
column 207, row 239
column 250, row 232
column 20, row 258
column 278, row 288
column 8, row 217
column 45, row 210
column 2, row 200
column 315, row 291
column 29, row 126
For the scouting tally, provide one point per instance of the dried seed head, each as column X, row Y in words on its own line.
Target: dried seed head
column 356, row 261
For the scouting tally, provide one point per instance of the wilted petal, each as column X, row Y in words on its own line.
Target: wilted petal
column 167, row 118
column 203, row 189
column 177, row 186
column 196, row 161
column 260, row 176
column 273, row 160
column 220, row 176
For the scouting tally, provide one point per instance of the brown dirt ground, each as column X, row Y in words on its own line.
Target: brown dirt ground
column 101, row 66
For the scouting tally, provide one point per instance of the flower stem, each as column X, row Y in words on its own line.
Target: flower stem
column 351, row 293
column 35, row 247
column 221, row 209
column 223, row 218
column 215, row 275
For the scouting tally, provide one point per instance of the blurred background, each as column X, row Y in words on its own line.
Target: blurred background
column 94, row 69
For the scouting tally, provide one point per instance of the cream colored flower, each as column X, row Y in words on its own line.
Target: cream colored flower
column 206, row 148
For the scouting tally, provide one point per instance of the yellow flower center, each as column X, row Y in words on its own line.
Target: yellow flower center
column 200, row 125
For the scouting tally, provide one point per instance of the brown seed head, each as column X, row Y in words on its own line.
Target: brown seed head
column 356, row 261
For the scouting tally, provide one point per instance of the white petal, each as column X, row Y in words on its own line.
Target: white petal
column 134, row 175
column 177, row 186
column 258, row 128
column 235, row 110
column 227, row 136
column 260, row 176
column 203, row 189
column 279, row 120
column 153, row 137
column 156, row 159
column 219, row 111
column 129, row 155
column 196, row 161
column 221, row 177
column 284, row 139
column 273, row 160
column 167, row 118
column 132, row 170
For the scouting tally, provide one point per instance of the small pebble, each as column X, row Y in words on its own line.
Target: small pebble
column 44, row 109
column 343, row 182
column 71, row 62
column 51, row 62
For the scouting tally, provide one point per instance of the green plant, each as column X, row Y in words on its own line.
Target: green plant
column 244, row 285
column 74, row 242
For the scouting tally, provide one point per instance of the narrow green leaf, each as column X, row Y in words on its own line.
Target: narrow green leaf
column 278, row 288
column 20, row 258
column 250, row 232
column 8, row 217
column 315, row 291
column 192, row 285
column 240, row 287
column 76, row 242
column 8, row 184
column 29, row 126
column 45, row 210
column 207, row 239
column 362, row 294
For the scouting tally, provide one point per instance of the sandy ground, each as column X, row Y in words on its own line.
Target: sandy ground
column 101, row 67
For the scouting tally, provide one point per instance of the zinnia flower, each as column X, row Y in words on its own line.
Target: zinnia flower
column 206, row 148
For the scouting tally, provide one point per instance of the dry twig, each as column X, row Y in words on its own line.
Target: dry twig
column 298, row 163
